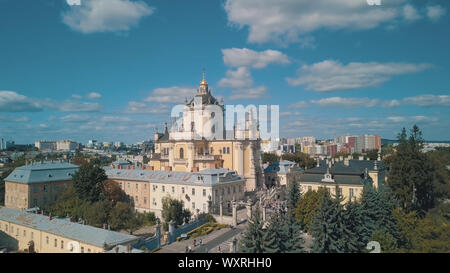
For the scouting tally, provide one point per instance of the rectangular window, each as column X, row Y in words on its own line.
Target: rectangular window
column 154, row 188
column 351, row 193
column 193, row 191
column 137, row 199
column 35, row 189
column 145, row 200
column 45, row 188
column 62, row 244
column 163, row 188
column 204, row 192
column 137, row 186
column 82, row 249
column 128, row 185
column 193, row 205
column 173, row 189
column 309, row 188
column 46, row 240
column 204, row 207
column 182, row 190
column 228, row 150
column 145, row 186
column 56, row 242
column 24, row 233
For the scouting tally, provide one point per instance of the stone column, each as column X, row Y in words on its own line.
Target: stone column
column 249, row 209
column 158, row 235
column 234, row 204
column 264, row 213
column 190, row 156
column 233, row 246
column 171, row 231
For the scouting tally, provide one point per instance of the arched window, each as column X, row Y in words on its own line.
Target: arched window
column 181, row 153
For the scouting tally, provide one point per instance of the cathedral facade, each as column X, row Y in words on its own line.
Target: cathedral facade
column 199, row 139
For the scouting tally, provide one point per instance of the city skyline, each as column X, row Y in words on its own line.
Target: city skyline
column 111, row 70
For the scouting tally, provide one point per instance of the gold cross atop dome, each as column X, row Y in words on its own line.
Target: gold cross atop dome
column 203, row 82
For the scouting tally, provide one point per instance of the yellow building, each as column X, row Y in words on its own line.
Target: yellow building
column 199, row 191
column 199, row 140
column 348, row 175
column 37, row 184
column 24, row 231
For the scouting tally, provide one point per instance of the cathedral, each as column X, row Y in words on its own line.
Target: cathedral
column 198, row 139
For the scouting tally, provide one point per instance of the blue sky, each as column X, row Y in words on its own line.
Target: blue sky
column 112, row 69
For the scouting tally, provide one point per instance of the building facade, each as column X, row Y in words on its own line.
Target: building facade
column 30, row 232
column 37, row 184
column 347, row 175
column 199, row 191
column 195, row 143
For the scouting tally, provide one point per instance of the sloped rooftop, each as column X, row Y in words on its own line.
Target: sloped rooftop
column 43, row 172
column 78, row 232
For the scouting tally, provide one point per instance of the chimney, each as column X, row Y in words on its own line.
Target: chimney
column 128, row 167
column 113, row 166
column 347, row 162
column 341, row 158
column 42, row 212
column 50, row 217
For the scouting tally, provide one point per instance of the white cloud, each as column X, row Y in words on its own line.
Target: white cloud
column 400, row 119
column 11, row 101
column 331, row 75
column 94, row 95
column 78, row 97
column 142, row 108
column 391, row 103
column 435, row 12
column 174, row 94
column 74, row 118
column 346, row 102
column 290, row 20
column 14, row 119
column 72, row 106
column 410, row 13
column 244, row 57
column 300, row 104
column 106, row 15
column 270, row 20
column 428, row 100
column 250, row 93
column 239, row 78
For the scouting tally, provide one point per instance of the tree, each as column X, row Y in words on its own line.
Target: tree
column 329, row 229
column 252, row 240
column 173, row 211
column 113, row 192
column 121, row 214
column 98, row 213
column 274, row 237
column 88, row 182
column 307, row 206
column 269, row 157
column 372, row 154
column 293, row 195
column 411, row 173
column 353, row 220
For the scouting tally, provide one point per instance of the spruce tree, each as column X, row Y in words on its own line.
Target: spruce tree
column 326, row 227
column 274, row 238
column 293, row 197
column 353, row 219
column 253, row 241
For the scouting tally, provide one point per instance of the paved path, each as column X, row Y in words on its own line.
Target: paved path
column 220, row 240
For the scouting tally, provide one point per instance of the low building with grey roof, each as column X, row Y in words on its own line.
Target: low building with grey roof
column 348, row 175
column 30, row 232
column 37, row 184
column 199, row 191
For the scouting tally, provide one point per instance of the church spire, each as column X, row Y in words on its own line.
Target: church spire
column 203, row 89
